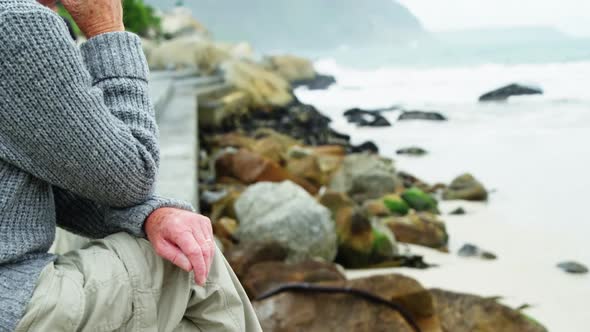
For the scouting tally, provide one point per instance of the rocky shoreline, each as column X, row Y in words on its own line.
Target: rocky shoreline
column 294, row 203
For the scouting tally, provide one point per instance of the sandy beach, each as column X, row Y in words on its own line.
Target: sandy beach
column 524, row 273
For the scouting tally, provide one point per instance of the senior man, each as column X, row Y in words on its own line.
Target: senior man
column 79, row 150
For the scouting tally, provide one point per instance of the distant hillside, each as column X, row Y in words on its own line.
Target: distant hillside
column 500, row 36
column 309, row 24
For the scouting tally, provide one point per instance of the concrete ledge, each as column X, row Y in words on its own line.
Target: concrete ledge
column 178, row 147
column 174, row 95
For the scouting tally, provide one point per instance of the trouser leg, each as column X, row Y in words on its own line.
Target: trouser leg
column 120, row 284
column 66, row 242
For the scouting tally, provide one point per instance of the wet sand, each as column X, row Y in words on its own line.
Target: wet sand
column 524, row 272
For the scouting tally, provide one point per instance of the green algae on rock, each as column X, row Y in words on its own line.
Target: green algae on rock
column 419, row 200
column 396, row 205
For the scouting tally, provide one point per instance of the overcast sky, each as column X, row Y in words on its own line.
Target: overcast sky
column 571, row 16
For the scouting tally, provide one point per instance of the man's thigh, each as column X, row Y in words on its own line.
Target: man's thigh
column 87, row 290
column 66, row 242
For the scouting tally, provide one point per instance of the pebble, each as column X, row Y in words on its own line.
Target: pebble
column 573, row 267
column 471, row 250
column 458, row 212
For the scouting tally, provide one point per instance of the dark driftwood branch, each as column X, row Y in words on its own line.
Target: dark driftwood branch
column 308, row 288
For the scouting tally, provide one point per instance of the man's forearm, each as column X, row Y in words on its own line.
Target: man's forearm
column 90, row 219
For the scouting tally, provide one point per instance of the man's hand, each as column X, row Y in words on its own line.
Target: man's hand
column 184, row 238
column 94, row 17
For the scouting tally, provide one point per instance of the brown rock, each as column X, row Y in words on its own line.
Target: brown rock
column 220, row 107
column 332, row 150
column 330, row 158
column 225, row 228
column 342, row 209
column 466, row 187
column 317, row 164
column 245, row 255
column 469, row 313
column 311, row 312
column 360, row 242
column 265, row 88
column 421, row 228
column 225, row 206
column 285, row 141
column 365, row 176
column 376, row 208
column 249, row 167
column 307, row 168
column 291, row 67
column 235, row 140
column 270, row 149
column 267, row 276
column 410, row 181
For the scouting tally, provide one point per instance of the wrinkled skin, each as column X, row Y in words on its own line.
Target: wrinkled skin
column 184, row 238
column 94, row 17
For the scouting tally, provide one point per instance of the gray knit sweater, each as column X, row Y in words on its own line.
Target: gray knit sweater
column 78, row 143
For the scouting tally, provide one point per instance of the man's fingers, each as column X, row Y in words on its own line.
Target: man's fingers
column 192, row 249
column 172, row 253
column 205, row 243
column 207, row 235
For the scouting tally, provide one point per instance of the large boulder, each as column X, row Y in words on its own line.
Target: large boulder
column 308, row 168
column 192, row 52
column 506, row 92
column 431, row 310
column 421, row 228
column 222, row 108
column 290, row 67
column 267, row 276
column 365, row 176
column 265, row 87
column 249, row 253
column 465, row 187
column 286, row 214
column 269, row 138
column 249, row 167
column 469, row 313
column 314, row 164
column 317, row 312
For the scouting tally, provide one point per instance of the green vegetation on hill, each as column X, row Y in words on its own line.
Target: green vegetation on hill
column 139, row 17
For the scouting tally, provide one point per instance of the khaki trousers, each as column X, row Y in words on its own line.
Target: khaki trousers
column 120, row 284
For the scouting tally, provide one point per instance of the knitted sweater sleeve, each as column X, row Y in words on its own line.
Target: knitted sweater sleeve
column 89, row 219
column 80, row 120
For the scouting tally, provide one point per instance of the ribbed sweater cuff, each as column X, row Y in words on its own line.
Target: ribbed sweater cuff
column 115, row 55
column 132, row 219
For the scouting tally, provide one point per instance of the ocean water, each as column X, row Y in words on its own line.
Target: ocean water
column 533, row 152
